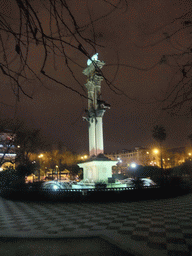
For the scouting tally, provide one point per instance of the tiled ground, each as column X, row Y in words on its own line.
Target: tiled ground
column 163, row 227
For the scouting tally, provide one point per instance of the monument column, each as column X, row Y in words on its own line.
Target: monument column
column 99, row 132
column 91, row 118
column 98, row 167
column 96, row 107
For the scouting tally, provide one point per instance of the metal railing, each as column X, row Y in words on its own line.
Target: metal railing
column 99, row 189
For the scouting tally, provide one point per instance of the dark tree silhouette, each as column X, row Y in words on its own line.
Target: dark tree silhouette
column 51, row 27
column 178, row 95
column 29, row 141
column 159, row 134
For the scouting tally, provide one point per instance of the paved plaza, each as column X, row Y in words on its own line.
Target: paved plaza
column 153, row 227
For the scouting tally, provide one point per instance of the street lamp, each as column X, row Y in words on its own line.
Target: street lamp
column 84, row 157
column 119, row 160
column 156, row 151
column 57, row 170
column 133, row 165
column 136, row 175
column 40, row 157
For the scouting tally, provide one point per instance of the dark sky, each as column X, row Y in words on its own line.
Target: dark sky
column 133, row 37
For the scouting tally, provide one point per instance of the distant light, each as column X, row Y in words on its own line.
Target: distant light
column 147, row 153
column 119, row 160
column 133, row 165
column 189, row 154
column 18, row 146
column 84, row 157
column 156, row 151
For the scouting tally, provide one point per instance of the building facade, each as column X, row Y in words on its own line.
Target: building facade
column 171, row 157
column 7, row 150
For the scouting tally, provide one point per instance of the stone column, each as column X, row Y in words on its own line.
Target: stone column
column 92, row 136
column 99, row 131
column 95, row 112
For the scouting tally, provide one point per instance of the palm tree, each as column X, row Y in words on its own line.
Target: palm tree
column 159, row 134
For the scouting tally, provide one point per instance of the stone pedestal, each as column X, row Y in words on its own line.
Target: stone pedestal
column 97, row 169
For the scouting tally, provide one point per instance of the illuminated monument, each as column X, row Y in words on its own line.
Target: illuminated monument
column 96, row 107
column 97, row 167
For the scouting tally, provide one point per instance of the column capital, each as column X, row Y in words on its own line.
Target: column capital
column 100, row 112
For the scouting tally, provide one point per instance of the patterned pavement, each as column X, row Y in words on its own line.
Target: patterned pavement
column 156, row 227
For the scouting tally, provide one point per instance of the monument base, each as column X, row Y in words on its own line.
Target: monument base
column 97, row 169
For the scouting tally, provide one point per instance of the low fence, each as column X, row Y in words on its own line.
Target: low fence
column 95, row 195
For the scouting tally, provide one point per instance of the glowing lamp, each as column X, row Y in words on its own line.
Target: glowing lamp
column 133, row 165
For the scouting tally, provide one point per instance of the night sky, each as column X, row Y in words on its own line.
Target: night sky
column 132, row 37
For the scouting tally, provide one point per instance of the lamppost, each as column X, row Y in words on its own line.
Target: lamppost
column 137, row 179
column 133, row 167
column 57, row 170
column 119, row 166
column 156, row 151
column 40, row 159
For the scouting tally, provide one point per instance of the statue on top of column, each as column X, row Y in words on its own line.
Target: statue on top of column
column 93, row 70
